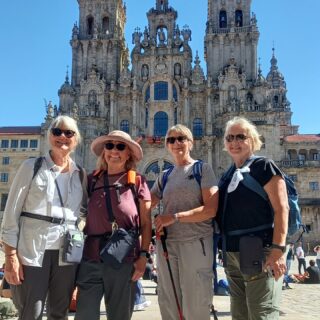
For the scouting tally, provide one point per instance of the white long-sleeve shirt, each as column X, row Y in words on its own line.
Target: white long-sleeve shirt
column 38, row 195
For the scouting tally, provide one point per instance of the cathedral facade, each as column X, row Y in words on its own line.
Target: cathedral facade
column 161, row 83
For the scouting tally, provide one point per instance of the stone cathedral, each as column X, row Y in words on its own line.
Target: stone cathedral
column 161, row 83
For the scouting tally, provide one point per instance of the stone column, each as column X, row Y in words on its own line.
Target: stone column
column 209, row 111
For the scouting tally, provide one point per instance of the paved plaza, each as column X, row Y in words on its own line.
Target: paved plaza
column 300, row 303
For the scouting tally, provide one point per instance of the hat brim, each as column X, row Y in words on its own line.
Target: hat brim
column 97, row 145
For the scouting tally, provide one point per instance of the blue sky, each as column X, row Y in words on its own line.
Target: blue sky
column 35, row 51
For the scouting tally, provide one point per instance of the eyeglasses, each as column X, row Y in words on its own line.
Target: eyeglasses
column 238, row 137
column 118, row 146
column 180, row 139
column 57, row 132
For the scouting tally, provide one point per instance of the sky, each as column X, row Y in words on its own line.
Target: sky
column 35, row 51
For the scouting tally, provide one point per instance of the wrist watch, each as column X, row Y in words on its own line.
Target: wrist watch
column 144, row 253
column 277, row 246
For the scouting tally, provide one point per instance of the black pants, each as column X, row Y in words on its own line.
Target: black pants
column 302, row 262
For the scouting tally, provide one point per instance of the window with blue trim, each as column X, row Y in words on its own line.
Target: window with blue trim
column 34, row 144
column 161, row 90
column 124, row 126
column 239, row 18
column 14, row 143
column 223, row 19
column 5, row 160
column 197, row 127
column 175, row 93
column 4, row 177
column 23, row 143
column 147, row 95
column 4, row 143
column 160, row 124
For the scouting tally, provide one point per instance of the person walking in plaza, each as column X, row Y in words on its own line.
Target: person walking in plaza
column 289, row 259
column 254, row 236
column 112, row 198
column 301, row 258
column 317, row 251
column 34, row 225
column 188, row 209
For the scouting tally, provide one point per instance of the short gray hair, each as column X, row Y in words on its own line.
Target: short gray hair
column 180, row 128
column 67, row 123
column 250, row 129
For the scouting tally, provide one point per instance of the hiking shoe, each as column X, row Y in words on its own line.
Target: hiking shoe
column 141, row 306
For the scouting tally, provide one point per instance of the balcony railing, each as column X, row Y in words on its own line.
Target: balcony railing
column 299, row 163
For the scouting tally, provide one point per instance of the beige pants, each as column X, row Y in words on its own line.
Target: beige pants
column 191, row 264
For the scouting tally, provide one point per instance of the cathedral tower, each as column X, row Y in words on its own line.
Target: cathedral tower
column 231, row 33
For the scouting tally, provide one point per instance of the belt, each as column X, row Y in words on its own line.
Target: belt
column 41, row 217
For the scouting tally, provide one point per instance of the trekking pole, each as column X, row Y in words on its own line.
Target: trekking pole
column 163, row 237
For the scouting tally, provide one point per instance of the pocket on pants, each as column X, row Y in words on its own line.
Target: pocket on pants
column 204, row 289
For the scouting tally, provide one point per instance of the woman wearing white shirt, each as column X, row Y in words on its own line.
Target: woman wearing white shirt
column 34, row 223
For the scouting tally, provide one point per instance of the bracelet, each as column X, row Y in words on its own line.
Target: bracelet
column 10, row 254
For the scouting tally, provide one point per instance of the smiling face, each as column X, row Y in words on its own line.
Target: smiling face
column 238, row 143
column 59, row 141
column 178, row 144
column 115, row 156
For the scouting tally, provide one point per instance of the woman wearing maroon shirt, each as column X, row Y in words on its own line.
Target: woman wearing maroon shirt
column 117, row 154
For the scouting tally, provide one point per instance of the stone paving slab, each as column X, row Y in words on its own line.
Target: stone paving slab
column 300, row 303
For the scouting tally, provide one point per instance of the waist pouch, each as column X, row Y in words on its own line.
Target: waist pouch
column 251, row 255
column 73, row 246
column 118, row 247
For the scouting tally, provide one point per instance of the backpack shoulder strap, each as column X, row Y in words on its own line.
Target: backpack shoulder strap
column 252, row 184
column 197, row 171
column 37, row 165
column 164, row 179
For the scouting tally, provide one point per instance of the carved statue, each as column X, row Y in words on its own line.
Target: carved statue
column 145, row 71
column 177, row 69
column 162, row 36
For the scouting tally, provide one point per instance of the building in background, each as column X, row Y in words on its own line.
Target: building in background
column 162, row 83
column 16, row 145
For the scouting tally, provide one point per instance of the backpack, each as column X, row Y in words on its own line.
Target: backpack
column 196, row 174
column 38, row 163
column 294, row 221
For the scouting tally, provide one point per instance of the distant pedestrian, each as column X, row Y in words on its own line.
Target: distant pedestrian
column 301, row 258
column 317, row 251
column 290, row 257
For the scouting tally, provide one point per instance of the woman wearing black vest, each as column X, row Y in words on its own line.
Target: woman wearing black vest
column 253, row 237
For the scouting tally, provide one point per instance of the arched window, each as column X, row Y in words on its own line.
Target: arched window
column 90, row 26
column 153, row 171
column 105, row 25
column 174, row 93
column 197, row 128
column 147, row 95
column 276, row 99
column 124, row 126
column 223, row 19
column 239, row 18
column 161, row 90
column 160, row 124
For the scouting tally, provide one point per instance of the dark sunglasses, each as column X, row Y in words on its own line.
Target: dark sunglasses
column 118, row 146
column 238, row 137
column 180, row 139
column 57, row 132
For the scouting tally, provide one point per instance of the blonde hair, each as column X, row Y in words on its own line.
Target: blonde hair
column 180, row 128
column 101, row 163
column 250, row 129
column 67, row 123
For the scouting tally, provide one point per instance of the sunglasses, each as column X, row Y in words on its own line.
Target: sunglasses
column 238, row 137
column 57, row 132
column 180, row 139
column 118, row 146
